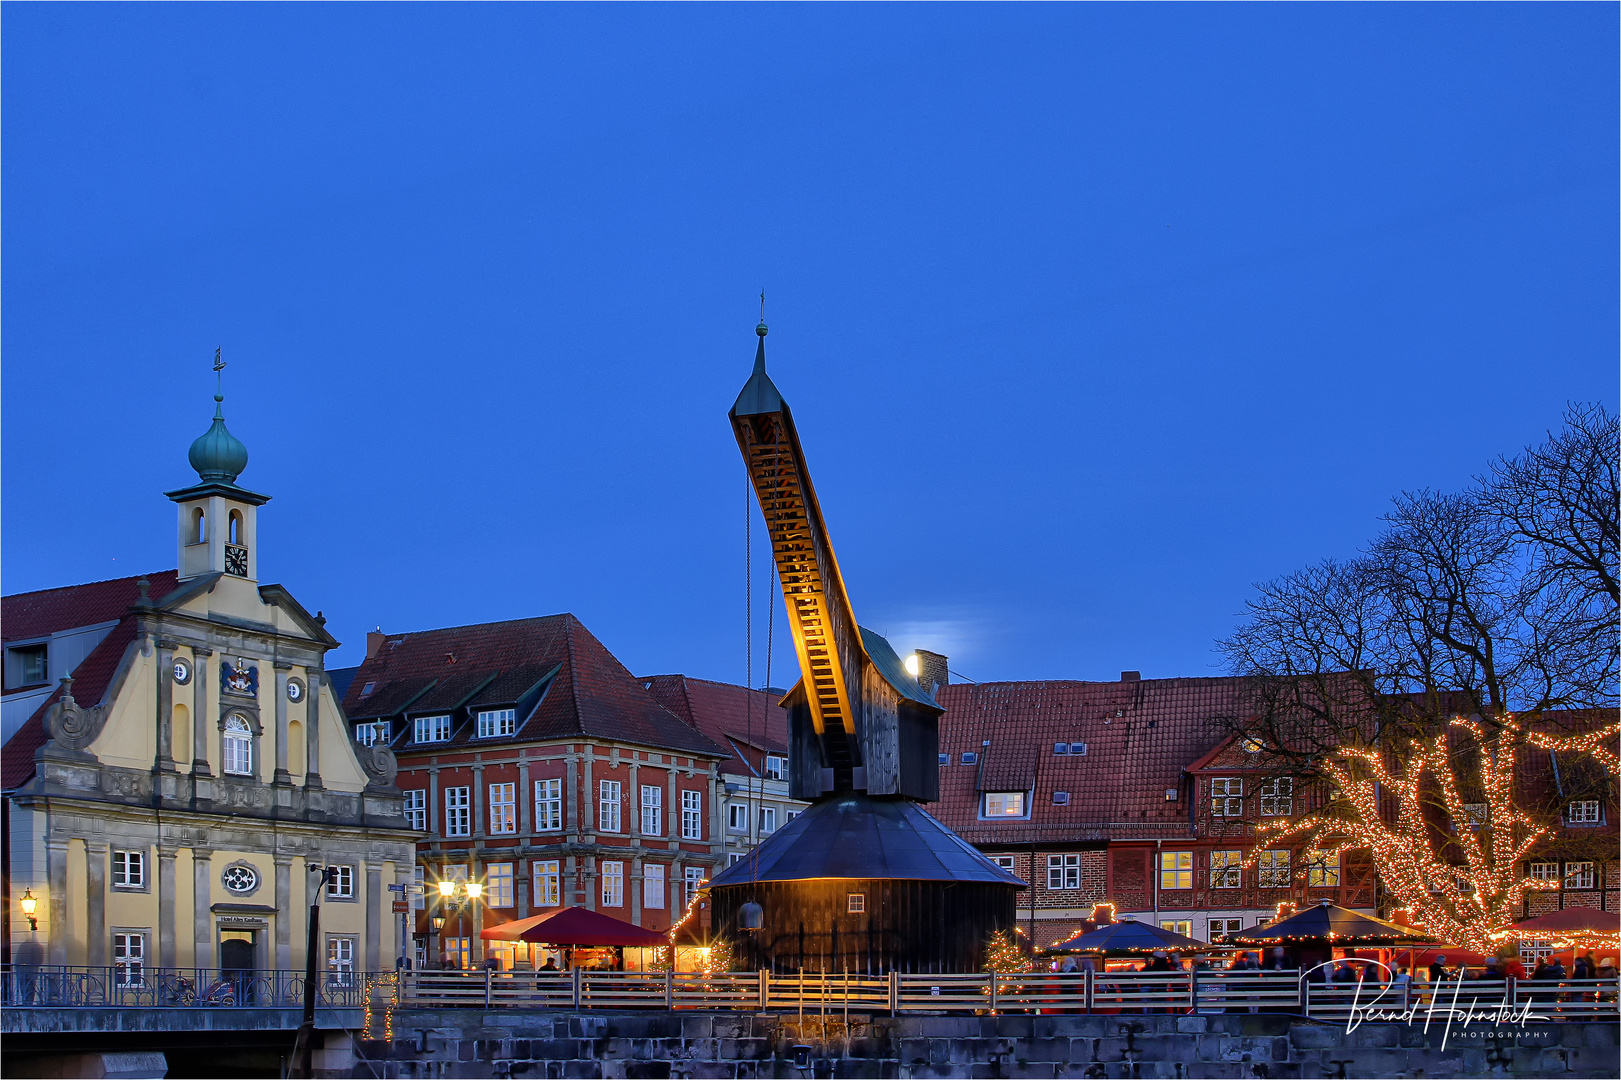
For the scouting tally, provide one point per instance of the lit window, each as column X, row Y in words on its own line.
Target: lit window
column 237, row 741
column 768, row 819
column 458, row 952
column 493, row 723
column 1578, row 875
column 1063, row 871
column 1274, row 869
column 613, row 884
column 1278, row 797
column 129, row 869
column 776, row 768
column 1323, row 869
column 129, row 959
column 1004, row 804
column 340, row 960
column 693, row 880
column 1177, row 926
column 1584, row 812
column 652, row 810
column 1227, row 797
column 548, row 883
column 548, row 805
column 1220, row 928
column 340, row 884
column 1226, row 869
column 416, row 810
column 431, row 729
column 1176, row 869
column 856, row 903
column 498, row 890
column 608, row 806
column 458, row 811
column 737, row 817
column 653, row 885
column 503, row 809
column 692, row 815
column 1544, row 871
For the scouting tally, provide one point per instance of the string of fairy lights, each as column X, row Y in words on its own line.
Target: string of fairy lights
column 1468, row 904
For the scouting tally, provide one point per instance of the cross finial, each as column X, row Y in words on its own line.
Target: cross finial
column 762, row 305
column 219, row 378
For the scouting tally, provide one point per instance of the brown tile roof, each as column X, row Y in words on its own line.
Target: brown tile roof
column 48, row 611
column 1139, row 737
column 582, row 689
column 732, row 716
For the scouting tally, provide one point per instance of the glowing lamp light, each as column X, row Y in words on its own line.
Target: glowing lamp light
column 475, row 889
column 447, row 889
column 28, row 902
column 438, row 923
column 914, row 666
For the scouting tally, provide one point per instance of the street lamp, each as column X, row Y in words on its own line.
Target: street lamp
column 28, row 903
column 452, row 895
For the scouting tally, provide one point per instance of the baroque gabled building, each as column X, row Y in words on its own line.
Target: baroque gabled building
column 184, row 768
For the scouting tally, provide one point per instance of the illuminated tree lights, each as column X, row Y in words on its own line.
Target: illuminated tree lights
column 1465, row 884
column 1004, row 956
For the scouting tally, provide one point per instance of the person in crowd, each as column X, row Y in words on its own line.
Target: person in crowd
column 1438, row 971
column 1493, row 971
column 550, row 964
column 1401, row 985
column 1606, row 971
column 1344, row 972
column 1279, row 961
column 1553, row 971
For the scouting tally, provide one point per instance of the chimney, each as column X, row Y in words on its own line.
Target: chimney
column 374, row 642
column 931, row 670
column 1131, row 676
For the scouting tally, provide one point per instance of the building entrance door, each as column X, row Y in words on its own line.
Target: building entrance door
column 236, row 963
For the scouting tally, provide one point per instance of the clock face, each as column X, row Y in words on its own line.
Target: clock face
column 182, row 672
column 295, row 690
column 236, row 561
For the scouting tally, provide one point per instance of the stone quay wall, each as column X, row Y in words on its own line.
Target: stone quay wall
column 456, row 1043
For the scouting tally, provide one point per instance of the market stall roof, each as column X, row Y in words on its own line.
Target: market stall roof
column 576, row 926
column 1571, row 921
column 1129, row 936
column 1330, row 922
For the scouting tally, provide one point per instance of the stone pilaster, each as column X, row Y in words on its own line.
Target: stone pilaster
column 312, row 728
column 95, row 887
column 164, row 761
column 202, row 883
column 374, row 916
column 56, row 871
column 284, row 912
column 201, row 714
column 167, row 955
column 279, row 688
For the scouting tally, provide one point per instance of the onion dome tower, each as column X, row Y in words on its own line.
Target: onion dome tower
column 218, row 523
column 865, row 880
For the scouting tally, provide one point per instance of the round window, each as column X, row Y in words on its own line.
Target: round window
column 240, row 879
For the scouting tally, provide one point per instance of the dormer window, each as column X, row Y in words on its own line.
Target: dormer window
column 494, row 723
column 1583, row 812
column 432, row 729
column 776, row 768
column 1004, row 804
column 367, row 734
column 26, row 665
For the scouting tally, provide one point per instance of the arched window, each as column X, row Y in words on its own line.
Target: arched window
column 237, row 744
column 199, row 526
column 235, row 532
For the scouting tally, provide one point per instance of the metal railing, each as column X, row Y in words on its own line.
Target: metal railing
column 1175, row 992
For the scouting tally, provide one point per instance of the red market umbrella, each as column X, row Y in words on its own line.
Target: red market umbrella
column 1571, row 922
column 576, row 926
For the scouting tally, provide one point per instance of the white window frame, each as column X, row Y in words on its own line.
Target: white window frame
column 236, row 746
column 340, row 959
column 608, row 806
column 368, row 734
column 497, row 723
column 692, row 815
column 1003, row 805
column 1227, row 796
column 737, row 817
column 1273, row 870
column 548, row 882
column 1220, row 928
column 549, row 805
column 1177, row 926
column 776, row 767
column 499, row 890
column 1006, row 862
column 1544, row 871
column 129, row 958
column 613, row 883
column 1579, row 875
column 1226, row 869
column 692, row 879
column 458, row 811
column 652, row 810
column 129, row 869
column 1063, row 872
column 416, row 808
column 1278, row 797
column 431, row 729
column 1175, row 870
column 768, row 819
column 653, row 886
column 855, row 903
column 1587, row 814
column 341, row 886
column 1322, row 869
column 503, row 810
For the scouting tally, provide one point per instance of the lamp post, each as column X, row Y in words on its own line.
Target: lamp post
column 452, row 895
column 28, row 903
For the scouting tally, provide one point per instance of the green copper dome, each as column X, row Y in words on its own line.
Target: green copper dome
column 217, row 454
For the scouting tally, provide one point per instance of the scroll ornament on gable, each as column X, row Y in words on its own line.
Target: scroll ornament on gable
column 70, row 725
column 380, row 764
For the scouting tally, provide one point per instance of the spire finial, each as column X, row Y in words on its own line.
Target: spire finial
column 219, row 379
column 759, row 353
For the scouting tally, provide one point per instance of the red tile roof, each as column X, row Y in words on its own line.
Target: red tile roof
column 49, row 611
column 732, row 716
column 587, row 691
column 1139, row 736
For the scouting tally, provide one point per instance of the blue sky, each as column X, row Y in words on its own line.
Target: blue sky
column 1090, row 316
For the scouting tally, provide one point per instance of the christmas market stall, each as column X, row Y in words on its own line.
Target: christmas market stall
column 579, row 937
column 1312, row 936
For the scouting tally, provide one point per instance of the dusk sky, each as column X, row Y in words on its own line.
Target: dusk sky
column 1090, row 316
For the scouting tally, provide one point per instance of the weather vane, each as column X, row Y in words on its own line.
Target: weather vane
column 762, row 305
column 219, row 368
